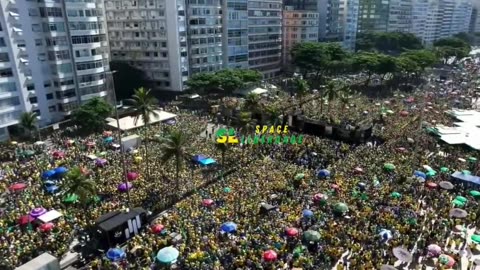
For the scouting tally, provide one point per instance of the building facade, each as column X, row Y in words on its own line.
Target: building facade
column 54, row 56
column 151, row 35
column 235, row 32
column 338, row 21
column 298, row 26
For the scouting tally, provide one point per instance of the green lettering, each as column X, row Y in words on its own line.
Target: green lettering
column 293, row 140
column 242, row 140
column 269, row 139
column 262, row 139
column 278, row 140
column 285, row 139
column 250, row 140
column 300, row 139
column 255, row 140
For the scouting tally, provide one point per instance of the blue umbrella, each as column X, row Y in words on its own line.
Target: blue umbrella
column 386, row 234
column 323, row 173
column 49, row 182
column 198, row 158
column 207, row 161
column 61, row 170
column 108, row 140
column 307, row 213
column 116, row 254
column 420, row 174
column 228, row 227
column 167, row 255
column 48, row 174
column 51, row 189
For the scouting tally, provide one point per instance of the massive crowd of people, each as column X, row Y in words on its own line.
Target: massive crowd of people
column 279, row 196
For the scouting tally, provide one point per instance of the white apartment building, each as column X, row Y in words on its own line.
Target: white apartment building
column 265, row 36
column 54, row 56
column 338, row 21
column 235, row 33
column 298, row 26
column 348, row 18
column 400, row 16
column 151, row 35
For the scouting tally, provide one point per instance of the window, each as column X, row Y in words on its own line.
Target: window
column 89, row 65
column 8, row 102
column 2, row 42
column 63, row 82
column 54, row 27
column 4, row 57
column 82, row 53
column 6, row 72
column 58, row 55
column 36, row 112
column 36, row 28
column 57, row 41
column 47, row 84
column 33, row 12
column 49, row 96
column 61, row 68
column 52, row 108
column 8, row 87
column 38, row 42
column 51, row 12
column 42, row 57
column 33, row 100
column 30, row 87
column 87, row 39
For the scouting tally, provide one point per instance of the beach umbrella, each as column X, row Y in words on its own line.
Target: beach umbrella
column 431, row 174
column 444, row 169
column 132, row 176
column 461, row 198
column 58, row 154
column 401, row 149
column 71, row 198
column 458, row 203
column 125, row 186
column 269, row 255
column 17, row 187
column 48, row 182
column 23, row 220
column 403, row 113
column 299, row 176
column 228, row 227
column 434, row 250
column 198, row 158
column 466, row 172
column 307, row 213
column 227, row 190
column 389, row 112
column 431, row 185
column 458, row 213
column 52, row 189
column 446, row 185
column 108, row 140
column 446, row 260
column 46, row 227
column 462, row 159
column 340, row 208
column 395, row 195
column 48, row 174
column 168, row 255
column 207, row 202
column 138, row 159
column 323, row 173
column 291, row 232
column 410, row 140
column 61, row 170
column 420, row 174
column 476, row 238
column 358, row 170
column 472, row 159
column 387, row 267
column 311, row 236
column 475, row 193
column 402, row 254
column 116, row 254
column 386, row 234
column 319, row 197
column 100, row 162
column 36, row 212
column 157, row 228
column 389, row 166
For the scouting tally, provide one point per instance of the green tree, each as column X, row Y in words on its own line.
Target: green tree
column 345, row 96
column 223, row 148
column 452, row 47
column 302, row 89
column 252, row 103
column 388, row 42
column 174, row 145
column 332, row 92
column 273, row 112
column 423, row 59
column 126, row 78
column 386, row 64
column 76, row 183
column 91, row 115
column 226, row 80
column 28, row 122
column 144, row 105
column 367, row 62
column 246, row 121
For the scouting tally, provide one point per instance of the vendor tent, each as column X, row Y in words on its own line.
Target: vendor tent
column 49, row 216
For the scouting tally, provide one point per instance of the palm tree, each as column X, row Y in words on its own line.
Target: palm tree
column 331, row 92
column 144, row 105
column 28, row 121
column 302, row 89
column 273, row 113
column 345, row 96
column 252, row 103
column 175, row 145
column 223, row 148
column 229, row 105
column 246, row 121
column 77, row 183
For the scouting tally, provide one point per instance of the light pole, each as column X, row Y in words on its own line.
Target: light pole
column 119, row 135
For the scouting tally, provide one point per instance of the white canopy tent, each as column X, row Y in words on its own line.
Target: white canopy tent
column 49, row 216
column 128, row 123
column 466, row 131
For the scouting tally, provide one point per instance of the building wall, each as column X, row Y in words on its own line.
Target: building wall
column 373, row 16
column 298, row 26
column 235, row 34
column 54, row 56
column 400, row 16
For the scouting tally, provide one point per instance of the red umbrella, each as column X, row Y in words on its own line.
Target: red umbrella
column 207, row 202
column 58, row 154
column 157, row 228
column 132, row 176
column 291, row 231
column 46, row 227
column 431, row 185
column 319, row 196
column 23, row 220
column 269, row 255
column 17, row 187
column 404, row 113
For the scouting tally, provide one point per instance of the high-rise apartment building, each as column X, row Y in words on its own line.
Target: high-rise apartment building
column 400, row 16
column 265, row 36
column 474, row 21
column 152, row 36
column 53, row 56
column 373, row 16
column 298, row 26
column 235, row 33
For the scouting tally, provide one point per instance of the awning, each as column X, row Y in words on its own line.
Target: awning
column 23, row 60
column 18, row 30
column 13, row 14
